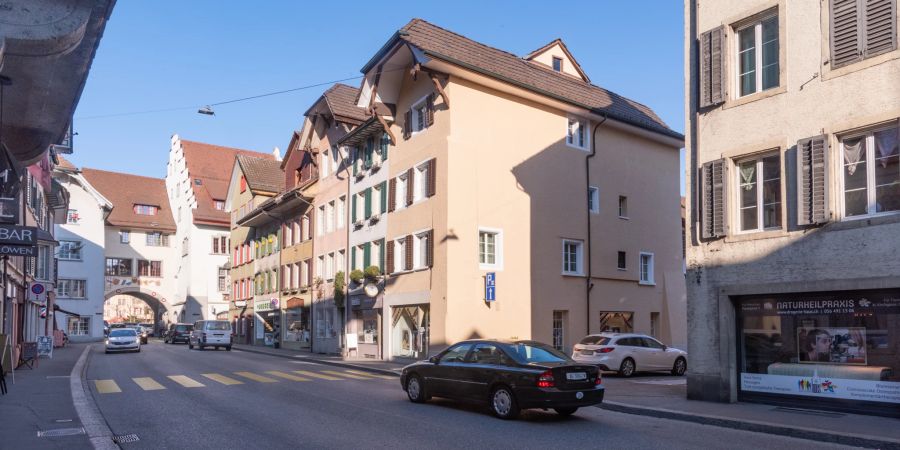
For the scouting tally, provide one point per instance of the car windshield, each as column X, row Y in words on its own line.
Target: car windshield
column 536, row 353
column 219, row 326
column 595, row 340
column 182, row 328
column 122, row 332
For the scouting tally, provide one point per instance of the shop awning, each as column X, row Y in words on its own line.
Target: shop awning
column 57, row 308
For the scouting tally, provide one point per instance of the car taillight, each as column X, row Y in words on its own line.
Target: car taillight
column 598, row 382
column 546, row 380
column 606, row 349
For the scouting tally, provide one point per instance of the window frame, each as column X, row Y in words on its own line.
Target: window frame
column 756, row 23
column 400, row 255
column 594, row 199
column 420, row 254
column 871, row 200
column 163, row 239
column 623, row 207
column 621, row 256
column 583, row 124
column 553, row 64
column 421, row 173
column 400, row 200
column 650, row 279
column 579, row 257
column 74, row 243
column 70, row 282
column 497, row 265
column 106, row 267
column 125, row 236
column 417, row 112
column 736, row 215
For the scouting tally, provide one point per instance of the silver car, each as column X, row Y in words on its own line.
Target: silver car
column 123, row 339
column 628, row 353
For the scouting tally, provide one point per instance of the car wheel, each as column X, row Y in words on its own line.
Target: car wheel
column 503, row 403
column 228, row 348
column 680, row 367
column 106, row 351
column 415, row 389
column 565, row 411
column 627, row 368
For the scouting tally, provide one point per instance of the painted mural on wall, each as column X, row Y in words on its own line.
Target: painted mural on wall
column 124, row 285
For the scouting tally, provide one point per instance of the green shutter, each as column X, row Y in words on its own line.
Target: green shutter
column 384, row 197
column 368, row 208
column 352, row 258
column 367, row 254
column 353, row 209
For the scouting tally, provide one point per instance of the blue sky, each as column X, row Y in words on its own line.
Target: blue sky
column 168, row 54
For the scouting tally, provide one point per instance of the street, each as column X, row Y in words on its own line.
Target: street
column 172, row 397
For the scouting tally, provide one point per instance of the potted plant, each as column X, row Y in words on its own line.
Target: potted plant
column 372, row 273
column 357, row 276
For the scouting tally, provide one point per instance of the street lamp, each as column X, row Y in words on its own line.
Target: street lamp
column 206, row 110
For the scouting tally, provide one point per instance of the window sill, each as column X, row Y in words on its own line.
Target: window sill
column 577, row 147
column 624, row 218
column 849, row 223
column 755, row 96
column 647, row 283
column 756, row 235
column 491, row 267
column 573, row 274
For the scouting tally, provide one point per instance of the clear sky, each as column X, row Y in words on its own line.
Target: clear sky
column 168, row 54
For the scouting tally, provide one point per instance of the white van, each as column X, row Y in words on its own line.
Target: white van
column 211, row 333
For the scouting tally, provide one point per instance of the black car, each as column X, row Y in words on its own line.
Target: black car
column 178, row 332
column 508, row 375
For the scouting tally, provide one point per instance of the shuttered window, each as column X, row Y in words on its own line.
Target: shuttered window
column 861, row 29
column 812, row 180
column 870, row 172
column 759, row 193
column 712, row 70
column 712, row 191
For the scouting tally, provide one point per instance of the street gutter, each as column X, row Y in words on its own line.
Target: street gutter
column 92, row 420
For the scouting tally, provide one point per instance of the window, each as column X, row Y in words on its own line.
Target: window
column 118, row 267
column 760, row 200
column 320, row 220
column 871, row 172
column 304, row 273
column 488, row 354
column 70, row 288
column 559, row 330
column 557, row 63
column 341, row 211
column 360, row 205
column 400, row 192
column 339, row 261
column 145, row 210
column 861, row 29
column 335, row 157
column 420, row 247
column 124, row 236
column 622, row 261
column 157, row 240
column 490, row 248
column 576, row 133
column 647, row 268
column 219, row 205
column 419, row 110
column 456, row 354
column 421, row 182
column 69, row 250
column 72, row 217
column 623, row 207
column 149, row 268
column 757, row 55
column 594, row 199
column 572, row 257
column 400, row 255
column 320, row 266
column 223, row 279
column 44, row 256
column 79, row 326
column 329, row 217
column 654, row 324
column 329, row 266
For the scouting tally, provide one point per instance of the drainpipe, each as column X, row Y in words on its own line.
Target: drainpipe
column 588, row 285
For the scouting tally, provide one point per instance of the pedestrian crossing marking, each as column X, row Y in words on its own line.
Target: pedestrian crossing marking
column 107, row 386
column 348, row 375
column 373, row 375
column 286, row 376
column 256, row 377
column 186, row 381
column 148, row 384
column 222, row 379
column 317, row 375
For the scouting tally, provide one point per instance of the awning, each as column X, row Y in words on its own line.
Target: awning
column 44, row 237
column 359, row 135
column 57, row 308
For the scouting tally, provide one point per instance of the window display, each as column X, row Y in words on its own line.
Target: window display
column 839, row 346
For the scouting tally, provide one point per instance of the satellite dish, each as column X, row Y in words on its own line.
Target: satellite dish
column 371, row 290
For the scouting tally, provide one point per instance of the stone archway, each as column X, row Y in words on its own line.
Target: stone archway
column 163, row 311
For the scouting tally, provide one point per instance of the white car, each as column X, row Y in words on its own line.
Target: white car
column 628, row 353
column 123, row 339
column 210, row 333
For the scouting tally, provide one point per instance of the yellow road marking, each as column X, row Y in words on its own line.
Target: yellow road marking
column 348, row 375
column 185, row 381
column 286, row 376
column 256, row 377
column 107, row 386
column 317, row 375
column 222, row 379
column 148, row 384
column 373, row 375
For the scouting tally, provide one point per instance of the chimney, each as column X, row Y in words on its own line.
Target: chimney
column 276, row 152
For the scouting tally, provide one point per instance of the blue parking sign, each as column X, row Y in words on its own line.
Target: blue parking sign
column 490, row 286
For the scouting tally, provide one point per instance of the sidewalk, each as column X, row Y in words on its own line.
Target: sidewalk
column 41, row 401
column 665, row 397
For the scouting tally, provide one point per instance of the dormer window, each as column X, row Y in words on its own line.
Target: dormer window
column 145, row 210
column 219, row 204
column 557, row 64
column 197, row 181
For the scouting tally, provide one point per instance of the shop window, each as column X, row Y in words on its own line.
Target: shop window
column 616, row 322
column 79, row 326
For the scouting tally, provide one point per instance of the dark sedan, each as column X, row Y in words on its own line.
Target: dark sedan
column 178, row 332
column 509, row 376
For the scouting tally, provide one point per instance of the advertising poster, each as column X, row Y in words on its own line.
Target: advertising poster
column 831, row 345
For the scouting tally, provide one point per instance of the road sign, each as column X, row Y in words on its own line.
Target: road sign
column 490, row 286
column 37, row 292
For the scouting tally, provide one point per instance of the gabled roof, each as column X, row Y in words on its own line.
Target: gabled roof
column 445, row 45
column 565, row 50
column 212, row 165
column 124, row 191
column 341, row 101
column 262, row 174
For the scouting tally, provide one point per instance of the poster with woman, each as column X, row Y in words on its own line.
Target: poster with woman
column 832, row 345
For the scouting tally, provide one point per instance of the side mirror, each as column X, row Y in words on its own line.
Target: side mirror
column 434, row 359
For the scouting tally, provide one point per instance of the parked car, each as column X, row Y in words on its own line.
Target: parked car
column 211, row 333
column 629, row 353
column 141, row 332
column 178, row 332
column 123, row 339
column 508, row 375
column 150, row 329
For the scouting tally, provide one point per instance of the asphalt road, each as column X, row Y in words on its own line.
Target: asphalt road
column 147, row 394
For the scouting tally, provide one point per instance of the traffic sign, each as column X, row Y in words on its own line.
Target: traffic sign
column 490, row 286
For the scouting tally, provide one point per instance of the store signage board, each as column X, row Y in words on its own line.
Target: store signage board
column 490, row 286
column 45, row 346
column 17, row 240
column 10, row 184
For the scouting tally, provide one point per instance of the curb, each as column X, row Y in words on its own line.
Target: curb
column 854, row 440
column 321, row 361
column 92, row 420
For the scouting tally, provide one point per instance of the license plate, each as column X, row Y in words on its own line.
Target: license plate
column 587, row 352
column 218, row 335
column 576, row 376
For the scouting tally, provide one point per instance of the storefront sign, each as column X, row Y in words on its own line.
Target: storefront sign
column 240, row 303
column 45, row 346
column 18, row 240
column 822, row 387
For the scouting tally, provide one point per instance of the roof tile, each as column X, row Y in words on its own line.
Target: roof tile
column 125, row 190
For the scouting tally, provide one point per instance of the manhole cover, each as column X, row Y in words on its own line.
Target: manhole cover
column 61, row 432
column 125, row 438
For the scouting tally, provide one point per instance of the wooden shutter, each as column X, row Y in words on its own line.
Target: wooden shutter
column 385, row 143
column 381, row 255
column 309, row 272
column 407, row 124
column 392, row 194
column 812, row 181
column 355, row 157
column 352, row 258
column 409, row 252
column 384, row 198
column 429, row 251
column 353, row 208
column 429, row 110
column 410, row 185
column 368, row 206
column 845, row 32
column 367, row 254
column 389, row 260
column 432, row 176
column 880, row 26
column 712, row 67
column 713, row 192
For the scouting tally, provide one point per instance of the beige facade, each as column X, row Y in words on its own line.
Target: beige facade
column 814, row 230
